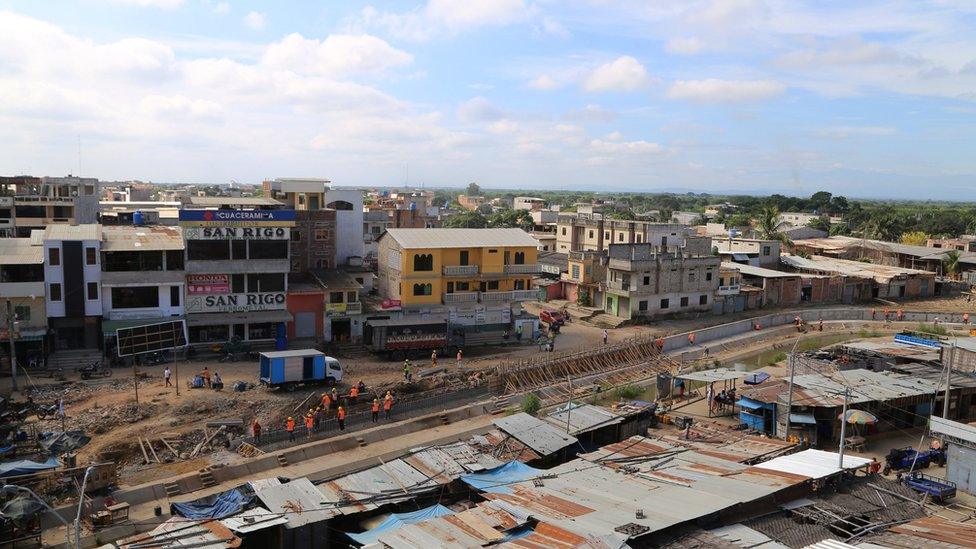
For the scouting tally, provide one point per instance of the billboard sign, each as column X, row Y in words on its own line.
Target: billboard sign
column 237, row 218
column 207, row 284
column 150, row 338
column 236, row 303
column 236, row 233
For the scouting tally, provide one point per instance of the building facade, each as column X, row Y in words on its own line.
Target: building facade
column 471, row 276
column 592, row 232
column 348, row 206
column 73, row 274
column 755, row 252
column 22, row 293
column 42, row 201
column 313, row 238
column 237, row 265
column 645, row 280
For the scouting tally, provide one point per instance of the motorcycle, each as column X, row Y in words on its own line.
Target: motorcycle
column 45, row 411
column 95, row 369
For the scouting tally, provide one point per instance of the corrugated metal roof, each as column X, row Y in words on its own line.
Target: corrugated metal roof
column 231, row 201
column 812, row 463
column 715, row 374
column 90, row 231
column 460, row 238
column 252, row 520
column 760, row 272
column 830, row 544
column 391, row 482
column 822, row 264
column 299, row 500
column 446, row 463
column 843, row 243
column 292, row 353
column 535, row 433
column 745, row 537
column 865, row 386
column 181, row 532
column 20, row 251
column 503, row 447
column 134, row 239
column 937, row 529
column 953, row 429
column 582, row 418
column 717, row 441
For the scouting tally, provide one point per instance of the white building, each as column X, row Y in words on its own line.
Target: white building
column 348, row 204
column 73, row 274
column 528, row 203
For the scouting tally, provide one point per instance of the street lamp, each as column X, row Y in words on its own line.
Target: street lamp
column 81, row 503
column 9, row 489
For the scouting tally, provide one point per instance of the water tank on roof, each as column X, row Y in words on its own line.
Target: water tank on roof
column 413, row 206
column 138, row 218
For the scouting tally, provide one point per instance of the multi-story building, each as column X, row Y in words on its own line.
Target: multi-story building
column 237, row 268
column 797, row 219
column 471, row 276
column 585, row 273
column 73, row 274
column 594, row 232
column 22, row 290
column 647, row 280
column 348, row 206
column 375, row 223
column 748, row 251
column 965, row 243
column 471, row 203
column 313, row 239
column 44, row 201
column 530, row 203
column 143, row 277
column 343, row 306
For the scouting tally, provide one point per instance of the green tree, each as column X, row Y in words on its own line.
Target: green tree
column 820, row 201
column 950, row 263
column 821, row 224
column 474, row 189
column 531, row 404
column 769, row 225
column 914, row 238
column 466, row 220
column 512, row 218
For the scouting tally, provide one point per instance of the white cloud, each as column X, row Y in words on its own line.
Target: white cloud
column 685, row 46
column 728, row 12
column 179, row 105
column 850, row 51
column 444, row 17
column 623, row 74
column 255, row 20
column 479, row 109
column 545, row 82
column 164, row 4
column 844, row 132
column 465, row 13
column 222, row 8
column 714, row 90
column 591, row 113
column 337, row 54
column 551, row 27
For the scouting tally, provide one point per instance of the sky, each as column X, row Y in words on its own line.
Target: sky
column 864, row 99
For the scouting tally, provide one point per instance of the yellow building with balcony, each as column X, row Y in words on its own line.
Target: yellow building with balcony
column 466, row 269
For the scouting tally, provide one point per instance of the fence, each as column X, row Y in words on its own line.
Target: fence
column 278, row 438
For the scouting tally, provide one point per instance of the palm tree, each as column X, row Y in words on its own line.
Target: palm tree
column 950, row 263
column 770, row 227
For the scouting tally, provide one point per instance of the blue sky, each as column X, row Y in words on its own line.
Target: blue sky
column 873, row 99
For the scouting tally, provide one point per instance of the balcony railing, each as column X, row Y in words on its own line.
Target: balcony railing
column 525, row 295
column 618, row 285
column 460, row 270
column 522, row 269
column 349, row 308
column 728, row 290
column 461, row 297
column 496, row 297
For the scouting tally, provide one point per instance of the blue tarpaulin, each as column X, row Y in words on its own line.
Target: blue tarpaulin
column 756, row 378
column 497, row 480
column 750, row 404
column 27, row 467
column 217, row 506
column 398, row 520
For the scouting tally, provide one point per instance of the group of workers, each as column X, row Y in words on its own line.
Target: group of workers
column 332, row 400
column 408, row 366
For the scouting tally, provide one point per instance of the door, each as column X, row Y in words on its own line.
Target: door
column 305, row 324
column 508, row 257
column 463, row 260
column 341, row 330
column 962, row 467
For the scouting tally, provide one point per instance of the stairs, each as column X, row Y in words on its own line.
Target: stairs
column 206, row 478
column 351, row 350
column 68, row 360
column 172, row 489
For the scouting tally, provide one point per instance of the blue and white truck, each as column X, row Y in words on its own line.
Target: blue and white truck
column 290, row 369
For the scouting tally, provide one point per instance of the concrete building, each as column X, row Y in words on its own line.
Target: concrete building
column 546, row 240
column 471, row 276
column 965, row 243
column 889, row 282
column 778, row 288
column 151, row 212
column 880, row 252
column 593, row 232
column 797, row 219
column 530, row 203
column 582, row 282
column 471, row 203
column 313, row 238
column 22, row 293
column 237, row 265
column 755, row 252
column 39, row 202
column 73, row 274
column 687, row 218
column 143, row 277
column 375, row 223
column 961, row 453
column 646, row 280
column 343, row 306
column 348, row 206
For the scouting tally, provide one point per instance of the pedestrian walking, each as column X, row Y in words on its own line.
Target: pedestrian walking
column 326, row 401
column 354, row 394
column 459, row 359
column 290, row 427
column 166, row 375
column 606, row 337
column 387, row 404
column 407, row 370
column 821, row 324
column 335, row 397
column 433, row 358
column 341, row 416
column 256, row 431
column 376, row 410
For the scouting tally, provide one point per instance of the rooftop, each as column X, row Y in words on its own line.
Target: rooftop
column 20, row 251
column 217, row 201
column 90, row 231
column 127, row 238
column 749, row 270
column 335, row 279
column 538, row 435
column 819, row 263
column 461, row 238
column 583, row 418
column 839, row 244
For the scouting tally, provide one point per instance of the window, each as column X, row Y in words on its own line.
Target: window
column 519, row 284
column 640, row 237
column 708, row 276
column 463, row 257
column 691, row 276
column 91, row 256
column 174, row 260
column 335, row 297
column 463, row 286
column 647, row 281
column 262, row 330
column 576, row 271
column 620, row 237
column 322, row 235
column 684, row 301
column 268, row 249
column 22, row 312
column 351, row 297
column 204, row 334
column 606, row 235
column 423, row 262
column 54, row 256
column 422, row 289
column 238, row 249
column 174, row 296
column 493, row 251
column 591, row 233
column 642, row 305
column 207, row 250
column 564, row 231
column 519, row 258
column 703, row 300
column 141, row 297
column 237, row 284
column 270, row 282
column 492, row 284
column 766, row 250
column 54, row 291
column 664, row 241
column 665, row 303
column 296, row 236
column 92, row 291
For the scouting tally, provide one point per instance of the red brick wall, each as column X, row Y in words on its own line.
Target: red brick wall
column 309, row 252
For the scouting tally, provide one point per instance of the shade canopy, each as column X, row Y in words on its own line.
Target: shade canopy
column 858, row 417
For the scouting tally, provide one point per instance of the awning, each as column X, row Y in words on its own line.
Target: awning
column 498, row 479
column 756, row 378
column 711, row 376
column 251, row 317
column 109, row 327
column 740, row 257
column 750, row 404
column 802, row 419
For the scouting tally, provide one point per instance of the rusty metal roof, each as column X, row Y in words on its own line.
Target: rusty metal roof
column 582, row 418
column 503, row 447
column 125, row 238
column 940, row 530
column 542, row 437
column 89, row 231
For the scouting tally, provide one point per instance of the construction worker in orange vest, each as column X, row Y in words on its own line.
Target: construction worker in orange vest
column 326, row 401
column 309, row 422
column 387, row 404
column 376, row 409
column 341, row 416
column 354, row 394
column 256, row 429
column 290, row 427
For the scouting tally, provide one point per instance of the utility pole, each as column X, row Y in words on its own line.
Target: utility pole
column 789, row 396
column 13, row 350
column 948, row 369
column 843, row 429
column 569, row 402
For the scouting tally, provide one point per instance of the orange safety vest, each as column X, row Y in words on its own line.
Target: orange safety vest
column 326, row 401
column 308, row 422
column 376, row 406
column 290, row 425
column 354, row 392
column 388, row 403
column 342, row 414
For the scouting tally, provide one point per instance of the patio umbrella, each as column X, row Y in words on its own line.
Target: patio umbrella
column 859, row 417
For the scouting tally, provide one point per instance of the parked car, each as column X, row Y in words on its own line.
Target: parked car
column 551, row 317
